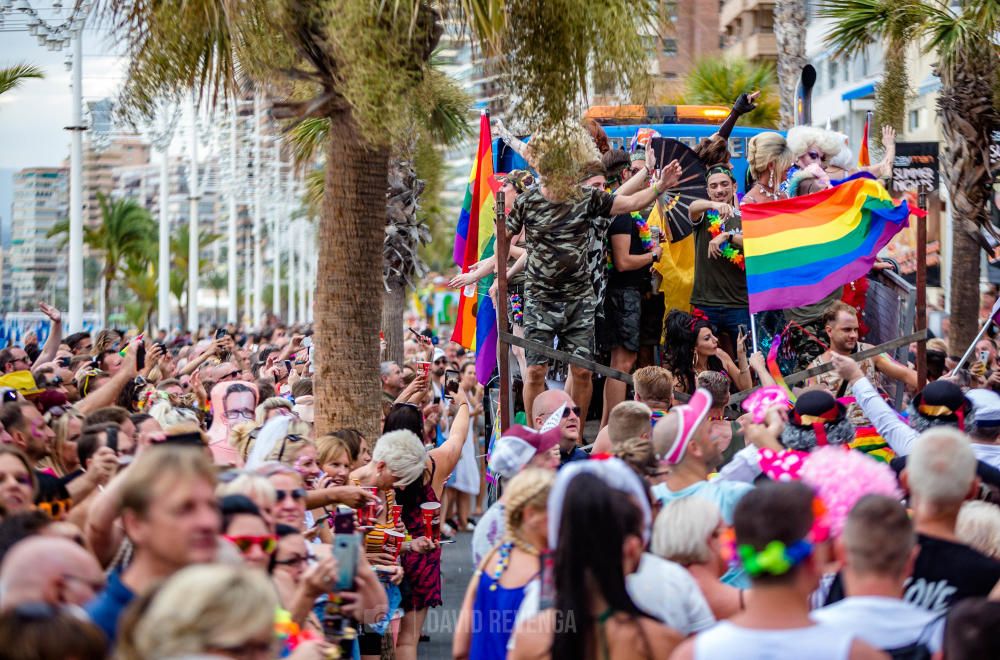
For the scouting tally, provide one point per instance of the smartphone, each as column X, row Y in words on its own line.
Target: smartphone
column 191, row 439
column 984, row 357
column 220, row 333
column 111, row 436
column 450, row 382
column 140, row 357
column 64, row 362
column 416, row 334
column 547, row 583
column 346, row 547
column 288, row 366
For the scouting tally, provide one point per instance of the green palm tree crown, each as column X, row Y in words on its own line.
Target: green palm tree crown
column 13, row 76
column 719, row 81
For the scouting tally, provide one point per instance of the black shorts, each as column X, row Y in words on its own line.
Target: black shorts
column 652, row 312
column 621, row 319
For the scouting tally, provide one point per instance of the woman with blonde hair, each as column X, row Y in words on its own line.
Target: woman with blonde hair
column 688, row 531
column 768, row 158
column 497, row 587
column 210, row 609
column 68, row 428
column 270, row 407
column 978, row 526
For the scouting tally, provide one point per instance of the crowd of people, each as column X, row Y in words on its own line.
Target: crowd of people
column 170, row 497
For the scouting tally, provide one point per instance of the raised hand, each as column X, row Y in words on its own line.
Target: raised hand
column 54, row 314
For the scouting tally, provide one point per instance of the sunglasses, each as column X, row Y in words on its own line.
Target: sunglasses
column 267, row 543
column 294, row 560
column 571, row 409
column 229, row 376
column 814, row 155
column 296, row 494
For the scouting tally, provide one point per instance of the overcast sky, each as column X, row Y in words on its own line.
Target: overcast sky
column 32, row 117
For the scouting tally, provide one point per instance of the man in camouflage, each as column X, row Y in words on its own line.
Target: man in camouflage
column 559, row 292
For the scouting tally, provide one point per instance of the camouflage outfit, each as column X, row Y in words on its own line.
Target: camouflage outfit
column 560, row 300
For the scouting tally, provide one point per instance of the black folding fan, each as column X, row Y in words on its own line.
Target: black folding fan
column 675, row 202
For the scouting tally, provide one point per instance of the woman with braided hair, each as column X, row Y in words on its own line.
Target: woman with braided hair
column 497, row 588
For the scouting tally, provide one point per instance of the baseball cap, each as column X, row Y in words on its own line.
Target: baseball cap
column 690, row 416
column 518, row 445
column 986, row 406
column 438, row 355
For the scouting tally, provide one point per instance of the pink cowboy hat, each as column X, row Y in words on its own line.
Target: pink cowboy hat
column 691, row 414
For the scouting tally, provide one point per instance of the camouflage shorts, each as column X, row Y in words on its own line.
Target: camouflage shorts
column 572, row 321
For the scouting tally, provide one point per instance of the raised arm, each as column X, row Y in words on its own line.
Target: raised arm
column 512, row 141
column 107, row 395
column 51, row 347
column 669, row 177
column 897, row 435
column 446, row 456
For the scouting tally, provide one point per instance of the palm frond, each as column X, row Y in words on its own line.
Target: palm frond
column 719, row 81
column 306, row 139
column 861, row 23
column 13, row 76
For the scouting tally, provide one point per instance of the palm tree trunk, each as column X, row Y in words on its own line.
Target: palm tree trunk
column 349, row 282
column 968, row 116
column 106, row 297
column 393, row 306
column 790, row 38
column 892, row 91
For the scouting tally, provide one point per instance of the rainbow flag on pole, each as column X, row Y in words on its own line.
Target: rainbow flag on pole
column 476, row 326
column 799, row 250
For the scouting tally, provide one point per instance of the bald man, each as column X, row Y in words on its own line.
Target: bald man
column 571, row 425
column 47, row 569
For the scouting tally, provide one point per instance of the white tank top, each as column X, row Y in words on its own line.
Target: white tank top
column 725, row 640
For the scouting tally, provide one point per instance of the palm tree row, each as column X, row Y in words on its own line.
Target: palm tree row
column 360, row 65
column 963, row 37
column 126, row 243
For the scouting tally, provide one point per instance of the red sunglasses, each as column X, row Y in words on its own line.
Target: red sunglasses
column 267, row 543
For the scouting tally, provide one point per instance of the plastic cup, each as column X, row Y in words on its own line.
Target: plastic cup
column 431, row 512
column 397, row 514
column 392, row 542
column 425, row 367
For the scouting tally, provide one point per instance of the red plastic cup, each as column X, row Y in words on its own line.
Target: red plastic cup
column 425, row 367
column 397, row 514
column 431, row 512
column 392, row 542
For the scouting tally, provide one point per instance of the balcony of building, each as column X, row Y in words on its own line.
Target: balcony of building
column 733, row 9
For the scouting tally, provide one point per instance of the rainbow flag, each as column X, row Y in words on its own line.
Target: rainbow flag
column 864, row 159
column 801, row 249
column 476, row 325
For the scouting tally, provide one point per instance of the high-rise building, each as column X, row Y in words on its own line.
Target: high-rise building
column 100, row 158
column 747, row 28
column 690, row 32
column 37, row 265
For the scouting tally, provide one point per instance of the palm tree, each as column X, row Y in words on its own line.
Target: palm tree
column 719, row 81
column 13, row 76
column 962, row 37
column 126, row 232
column 359, row 64
column 179, row 264
column 217, row 281
column 140, row 277
column 862, row 23
column 440, row 122
column 790, row 38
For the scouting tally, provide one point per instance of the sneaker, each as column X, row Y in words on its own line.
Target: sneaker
column 447, row 531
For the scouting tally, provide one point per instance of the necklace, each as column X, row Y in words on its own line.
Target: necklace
column 729, row 250
column 503, row 552
column 645, row 235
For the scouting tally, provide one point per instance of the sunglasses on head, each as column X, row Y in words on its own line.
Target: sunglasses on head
column 295, row 493
column 267, row 543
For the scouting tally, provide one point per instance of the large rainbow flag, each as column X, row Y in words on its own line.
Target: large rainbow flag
column 476, row 325
column 799, row 250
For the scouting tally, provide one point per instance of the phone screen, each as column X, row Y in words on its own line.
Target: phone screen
column 346, row 546
column 451, row 382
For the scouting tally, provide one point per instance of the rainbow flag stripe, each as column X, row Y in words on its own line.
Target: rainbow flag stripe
column 799, row 250
column 476, row 326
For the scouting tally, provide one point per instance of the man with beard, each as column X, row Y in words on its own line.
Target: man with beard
column 841, row 324
column 720, row 280
column 686, row 440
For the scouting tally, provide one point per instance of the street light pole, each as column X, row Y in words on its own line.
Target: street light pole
column 76, row 191
column 163, row 266
column 194, row 196
column 276, row 232
column 258, row 279
column 233, row 315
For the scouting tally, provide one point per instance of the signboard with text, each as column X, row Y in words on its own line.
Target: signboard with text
column 915, row 168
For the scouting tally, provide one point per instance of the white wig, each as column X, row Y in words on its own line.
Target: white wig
column 801, row 137
column 404, row 455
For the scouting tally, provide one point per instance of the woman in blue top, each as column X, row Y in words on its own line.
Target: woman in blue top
column 496, row 590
